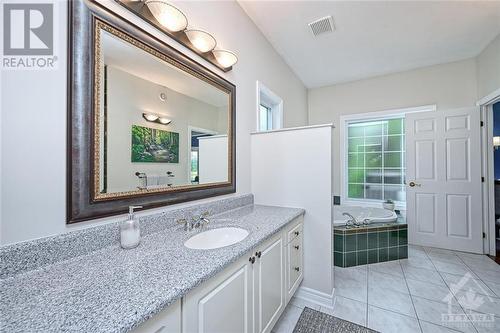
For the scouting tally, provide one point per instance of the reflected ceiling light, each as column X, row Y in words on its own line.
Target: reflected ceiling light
column 150, row 116
column 225, row 58
column 155, row 118
column 496, row 142
column 201, row 40
column 167, row 15
column 164, row 121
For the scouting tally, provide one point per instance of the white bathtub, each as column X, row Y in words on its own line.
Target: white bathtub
column 375, row 215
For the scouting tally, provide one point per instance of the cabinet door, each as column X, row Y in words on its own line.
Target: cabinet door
column 222, row 304
column 270, row 283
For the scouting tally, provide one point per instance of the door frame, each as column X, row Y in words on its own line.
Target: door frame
column 190, row 130
column 488, row 170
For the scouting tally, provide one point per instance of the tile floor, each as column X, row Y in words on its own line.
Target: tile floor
column 410, row 295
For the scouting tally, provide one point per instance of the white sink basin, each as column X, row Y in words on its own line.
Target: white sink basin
column 215, row 238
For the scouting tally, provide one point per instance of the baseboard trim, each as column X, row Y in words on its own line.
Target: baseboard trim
column 314, row 296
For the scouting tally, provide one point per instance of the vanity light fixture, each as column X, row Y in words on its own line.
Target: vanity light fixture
column 201, row 40
column 496, row 142
column 225, row 58
column 172, row 21
column 154, row 118
column 150, row 116
column 167, row 15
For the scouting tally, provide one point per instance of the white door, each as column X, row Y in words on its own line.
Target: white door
column 270, row 284
column 443, row 180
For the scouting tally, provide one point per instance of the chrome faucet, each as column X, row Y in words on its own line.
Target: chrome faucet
column 201, row 221
column 352, row 221
column 195, row 223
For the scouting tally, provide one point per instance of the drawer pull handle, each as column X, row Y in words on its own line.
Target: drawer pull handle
column 297, row 268
column 258, row 254
column 296, row 247
column 296, row 233
column 252, row 260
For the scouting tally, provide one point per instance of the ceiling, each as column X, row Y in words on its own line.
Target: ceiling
column 374, row 37
column 135, row 61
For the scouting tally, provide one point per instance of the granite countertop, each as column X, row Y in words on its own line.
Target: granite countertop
column 115, row 290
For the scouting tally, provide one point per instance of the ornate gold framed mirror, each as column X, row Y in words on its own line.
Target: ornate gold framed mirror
column 148, row 125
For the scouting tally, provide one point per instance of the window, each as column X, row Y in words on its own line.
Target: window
column 376, row 159
column 269, row 109
column 266, row 118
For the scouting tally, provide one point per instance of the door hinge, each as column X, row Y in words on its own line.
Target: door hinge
column 482, row 179
column 484, row 235
column 482, row 123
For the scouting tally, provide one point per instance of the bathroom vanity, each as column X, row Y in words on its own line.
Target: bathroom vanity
column 247, row 296
column 84, row 281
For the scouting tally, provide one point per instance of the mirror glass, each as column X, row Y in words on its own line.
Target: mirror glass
column 160, row 127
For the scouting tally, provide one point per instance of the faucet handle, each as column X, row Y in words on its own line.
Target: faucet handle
column 187, row 225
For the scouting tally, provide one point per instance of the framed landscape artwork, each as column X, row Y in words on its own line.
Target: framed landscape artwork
column 154, row 145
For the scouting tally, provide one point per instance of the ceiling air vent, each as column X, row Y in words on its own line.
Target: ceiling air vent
column 322, row 25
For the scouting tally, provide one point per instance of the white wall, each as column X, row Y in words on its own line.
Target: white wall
column 488, row 68
column 213, row 159
column 287, row 170
column 33, row 133
column 123, row 112
column 448, row 86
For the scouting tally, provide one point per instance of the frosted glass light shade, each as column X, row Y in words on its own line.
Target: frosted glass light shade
column 164, row 121
column 167, row 15
column 201, row 40
column 150, row 116
column 225, row 58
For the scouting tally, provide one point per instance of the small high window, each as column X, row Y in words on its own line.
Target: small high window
column 269, row 109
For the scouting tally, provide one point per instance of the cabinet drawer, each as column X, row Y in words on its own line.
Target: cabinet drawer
column 294, row 232
column 295, row 266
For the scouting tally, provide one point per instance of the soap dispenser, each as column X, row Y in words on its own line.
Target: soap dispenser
column 130, row 233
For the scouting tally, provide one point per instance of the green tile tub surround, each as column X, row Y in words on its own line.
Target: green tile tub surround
column 362, row 241
column 373, row 240
column 362, row 257
column 393, row 253
column 368, row 245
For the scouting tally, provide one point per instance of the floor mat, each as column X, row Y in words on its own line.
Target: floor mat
column 312, row 321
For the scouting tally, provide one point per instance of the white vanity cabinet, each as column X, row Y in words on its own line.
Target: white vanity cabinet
column 222, row 304
column 294, row 258
column 269, row 282
column 248, row 296
column 167, row 321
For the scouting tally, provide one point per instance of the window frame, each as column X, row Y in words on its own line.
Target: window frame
column 269, row 99
column 362, row 117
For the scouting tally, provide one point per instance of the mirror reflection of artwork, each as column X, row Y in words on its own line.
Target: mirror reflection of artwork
column 154, row 145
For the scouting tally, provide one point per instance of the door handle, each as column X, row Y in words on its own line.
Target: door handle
column 413, row 184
